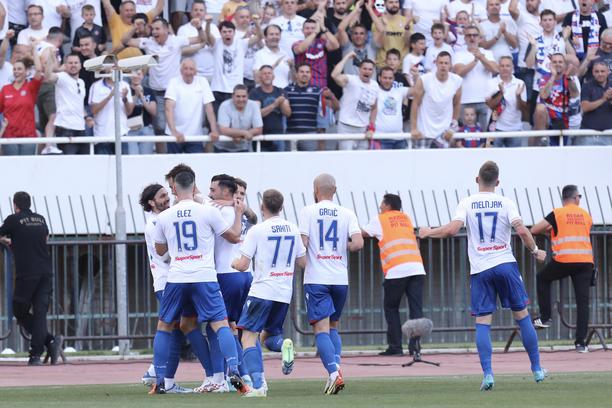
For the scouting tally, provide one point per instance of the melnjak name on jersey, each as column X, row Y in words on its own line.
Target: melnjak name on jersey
column 479, row 205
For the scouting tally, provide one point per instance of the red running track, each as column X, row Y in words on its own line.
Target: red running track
column 123, row 372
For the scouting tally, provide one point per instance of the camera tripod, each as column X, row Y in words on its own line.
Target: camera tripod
column 416, row 358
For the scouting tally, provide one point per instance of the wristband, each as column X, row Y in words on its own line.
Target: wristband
column 535, row 250
column 371, row 127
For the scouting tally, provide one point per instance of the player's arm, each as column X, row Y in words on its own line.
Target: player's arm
column 356, row 242
column 300, row 261
column 241, row 264
column 541, row 227
column 340, row 78
column 528, row 240
column 449, row 230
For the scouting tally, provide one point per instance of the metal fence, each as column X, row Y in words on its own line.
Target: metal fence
column 83, row 307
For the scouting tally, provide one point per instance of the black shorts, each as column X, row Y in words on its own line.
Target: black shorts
column 26, row 288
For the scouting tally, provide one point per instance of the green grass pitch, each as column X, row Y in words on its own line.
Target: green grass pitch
column 512, row 391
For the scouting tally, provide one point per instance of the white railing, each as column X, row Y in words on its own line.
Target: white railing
column 92, row 140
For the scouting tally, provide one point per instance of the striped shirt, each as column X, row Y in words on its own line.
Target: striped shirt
column 304, row 103
column 316, row 57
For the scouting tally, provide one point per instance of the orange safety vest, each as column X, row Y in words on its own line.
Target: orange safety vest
column 398, row 244
column 572, row 242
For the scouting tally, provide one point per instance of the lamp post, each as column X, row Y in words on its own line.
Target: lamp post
column 118, row 70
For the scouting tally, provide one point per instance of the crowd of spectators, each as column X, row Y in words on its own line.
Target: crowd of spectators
column 437, row 68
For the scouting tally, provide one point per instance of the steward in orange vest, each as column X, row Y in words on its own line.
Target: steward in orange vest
column 402, row 267
column 572, row 255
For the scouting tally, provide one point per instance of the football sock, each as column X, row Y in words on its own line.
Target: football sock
column 485, row 349
column 254, row 364
column 216, row 357
column 161, row 347
column 199, row 345
column 274, row 343
column 168, row 383
column 337, row 342
column 174, row 353
column 227, row 345
column 530, row 342
column 241, row 367
column 325, row 348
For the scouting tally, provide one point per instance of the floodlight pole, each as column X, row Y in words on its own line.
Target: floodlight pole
column 120, row 228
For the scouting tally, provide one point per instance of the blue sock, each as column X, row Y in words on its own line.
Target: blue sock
column 241, row 367
column 216, row 357
column 274, row 343
column 485, row 349
column 530, row 342
column 325, row 347
column 161, row 349
column 174, row 354
column 200, row 349
column 254, row 365
column 337, row 342
column 227, row 345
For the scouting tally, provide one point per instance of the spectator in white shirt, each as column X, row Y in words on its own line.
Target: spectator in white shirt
column 69, row 101
column 290, row 24
column 201, row 53
column 245, row 28
column 476, row 66
column 187, row 98
column 435, row 105
column 272, row 55
column 389, row 110
column 358, row 103
column 35, row 30
column 438, row 34
column 56, row 11
column 168, row 49
column 507, row 98
column 475, row 10
column 561, row 9
column 102, row 108
column 498, row 35
column 527, row 20
column 425, row 14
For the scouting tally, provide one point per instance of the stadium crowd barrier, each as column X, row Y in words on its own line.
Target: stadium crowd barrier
column 92, row 140
column 83, row 308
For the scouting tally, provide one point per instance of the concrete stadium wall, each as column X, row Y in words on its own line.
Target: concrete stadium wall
column 77, row 193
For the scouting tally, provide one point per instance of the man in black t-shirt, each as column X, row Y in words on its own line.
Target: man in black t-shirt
column 584, row 24
column 26, row 232
column 274, row 106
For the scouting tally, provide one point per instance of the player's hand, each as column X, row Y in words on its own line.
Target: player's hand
column 424, row 232
column 234, row 264
column 540, row 255
column 448, row 135
column 369, row 135
column 214, row 135
column 239, row 205
column 502, row 27
column 567, row 31
column 10, row 34
column 208, row 18
column 519, row 90
column 351, row 55
column 196, row 23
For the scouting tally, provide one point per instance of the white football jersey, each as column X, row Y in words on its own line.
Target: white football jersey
column 488, row 218
column 189, row 230
column 328, row 228
column 275, row 243
column 158, row 264
column 225, row 251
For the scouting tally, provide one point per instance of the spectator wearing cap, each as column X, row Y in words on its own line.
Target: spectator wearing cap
column 168, row 49
column 120, row 23
column 240, row 119
column 17, row 102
